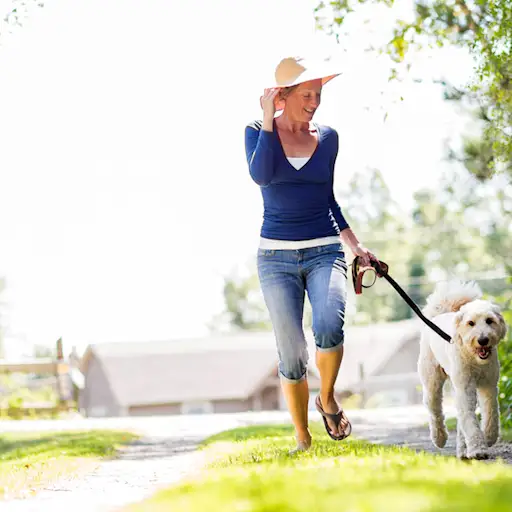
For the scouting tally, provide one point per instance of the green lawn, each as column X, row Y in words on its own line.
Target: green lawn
column 29, row 461
column 249, row 469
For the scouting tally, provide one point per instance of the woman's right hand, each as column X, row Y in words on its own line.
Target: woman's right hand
column 268, row 102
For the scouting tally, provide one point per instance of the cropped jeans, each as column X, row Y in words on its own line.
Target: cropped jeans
column 286, row 275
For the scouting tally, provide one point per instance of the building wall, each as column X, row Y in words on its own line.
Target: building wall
column 405, row 360
column 154, row 410
column 97, row 398
column 231, row 406
column 270, row 400
column 220, row 406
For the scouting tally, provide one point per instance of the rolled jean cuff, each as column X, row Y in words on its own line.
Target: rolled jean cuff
column 292, row 381
column 333, row 348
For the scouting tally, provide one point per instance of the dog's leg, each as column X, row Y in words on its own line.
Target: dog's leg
column 489, row 406
column 461, row 443
column 433, row 378
column 465, row 400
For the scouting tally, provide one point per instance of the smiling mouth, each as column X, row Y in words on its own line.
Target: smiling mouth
column 483, row 352
column 311, row 112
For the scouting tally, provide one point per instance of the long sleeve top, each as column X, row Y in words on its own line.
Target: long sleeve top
column 298, row 204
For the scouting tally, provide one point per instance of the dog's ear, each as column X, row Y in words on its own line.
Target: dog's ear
column 458, row 318
column 501, row 321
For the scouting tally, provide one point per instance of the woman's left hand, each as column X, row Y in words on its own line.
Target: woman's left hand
column 365, row 255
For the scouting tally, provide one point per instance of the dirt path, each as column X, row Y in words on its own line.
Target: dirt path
column 418, row 438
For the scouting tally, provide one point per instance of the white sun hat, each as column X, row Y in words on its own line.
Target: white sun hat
column 295, row 70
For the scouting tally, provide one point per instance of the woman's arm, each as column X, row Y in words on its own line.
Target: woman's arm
column 260, row 154
column 259, row 143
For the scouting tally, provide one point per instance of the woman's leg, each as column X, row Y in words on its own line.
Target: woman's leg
column 283, row 292
column 326, row 287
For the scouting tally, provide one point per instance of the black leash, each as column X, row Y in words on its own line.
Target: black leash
column 381, row 269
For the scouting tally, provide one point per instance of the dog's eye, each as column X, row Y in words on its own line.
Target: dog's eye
column 489, row 321
column 471, row 323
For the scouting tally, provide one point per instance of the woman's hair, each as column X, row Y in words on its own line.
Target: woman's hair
column 286, row 91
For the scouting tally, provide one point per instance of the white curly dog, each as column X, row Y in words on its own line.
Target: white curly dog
column 470, row 362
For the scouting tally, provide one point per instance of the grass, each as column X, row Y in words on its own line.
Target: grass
column 249, row 469
column 30, row 461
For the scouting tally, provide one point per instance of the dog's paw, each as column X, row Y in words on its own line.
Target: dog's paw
column 462, row 454
column 478, row 453
column 439, row 436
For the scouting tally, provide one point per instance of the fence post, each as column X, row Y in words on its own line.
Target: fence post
column 62, row 375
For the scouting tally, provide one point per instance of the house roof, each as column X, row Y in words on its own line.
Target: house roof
column 230, row 366
column 372, row 347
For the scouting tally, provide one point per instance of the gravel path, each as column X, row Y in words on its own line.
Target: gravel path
column 166, row 453
column 138, row 471
column 418, row 438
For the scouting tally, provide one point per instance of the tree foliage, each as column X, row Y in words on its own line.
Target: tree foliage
column 459, row 227
column 505, row 354
column 17, row 14
column 483, row 27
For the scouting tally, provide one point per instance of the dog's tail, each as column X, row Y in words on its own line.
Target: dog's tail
column 450, row 297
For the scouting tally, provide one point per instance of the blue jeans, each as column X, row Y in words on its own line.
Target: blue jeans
column 285, row 276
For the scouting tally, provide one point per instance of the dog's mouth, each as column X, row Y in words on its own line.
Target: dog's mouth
column 484, row 352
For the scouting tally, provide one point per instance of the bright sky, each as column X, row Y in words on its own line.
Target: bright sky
column 125, row 194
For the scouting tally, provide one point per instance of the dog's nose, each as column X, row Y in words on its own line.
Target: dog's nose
column 483, row 341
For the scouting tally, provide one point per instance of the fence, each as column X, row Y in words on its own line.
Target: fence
column 28, row 376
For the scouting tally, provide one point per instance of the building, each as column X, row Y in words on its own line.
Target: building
column 238, row 372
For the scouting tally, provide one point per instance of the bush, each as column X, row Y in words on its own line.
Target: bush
column 505, row 355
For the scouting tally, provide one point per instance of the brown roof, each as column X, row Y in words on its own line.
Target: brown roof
column 230, row 366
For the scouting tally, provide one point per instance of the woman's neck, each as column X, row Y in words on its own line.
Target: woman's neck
column 284, row 122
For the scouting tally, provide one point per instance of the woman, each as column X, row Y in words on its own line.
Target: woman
column 302, row 240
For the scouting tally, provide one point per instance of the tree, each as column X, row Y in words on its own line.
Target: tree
column 244, row 308
column 378, row 220
column 477, row 154
column 16, row 15
column 483, row 27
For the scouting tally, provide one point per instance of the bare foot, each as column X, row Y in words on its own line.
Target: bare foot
column 330, row 406
column 303, row 445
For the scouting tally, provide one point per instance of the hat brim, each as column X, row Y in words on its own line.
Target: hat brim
column 301, row 80
column 307, row 77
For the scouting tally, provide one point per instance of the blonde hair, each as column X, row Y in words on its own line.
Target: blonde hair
column 286, row 91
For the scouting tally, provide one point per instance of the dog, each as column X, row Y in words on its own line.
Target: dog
column 470, row 361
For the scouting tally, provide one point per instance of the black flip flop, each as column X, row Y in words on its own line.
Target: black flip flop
column 336, row 418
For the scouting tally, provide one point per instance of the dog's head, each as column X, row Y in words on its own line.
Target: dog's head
column 480, row 327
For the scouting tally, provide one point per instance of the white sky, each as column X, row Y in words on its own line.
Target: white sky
column 125, row 193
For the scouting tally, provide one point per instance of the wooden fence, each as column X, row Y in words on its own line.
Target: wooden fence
column 66, row 386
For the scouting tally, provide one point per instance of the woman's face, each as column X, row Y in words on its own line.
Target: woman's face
column 302, row 102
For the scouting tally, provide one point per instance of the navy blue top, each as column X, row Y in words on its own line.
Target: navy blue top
column 298, row 204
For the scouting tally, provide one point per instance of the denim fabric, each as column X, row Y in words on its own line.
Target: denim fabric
column 286, row 275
